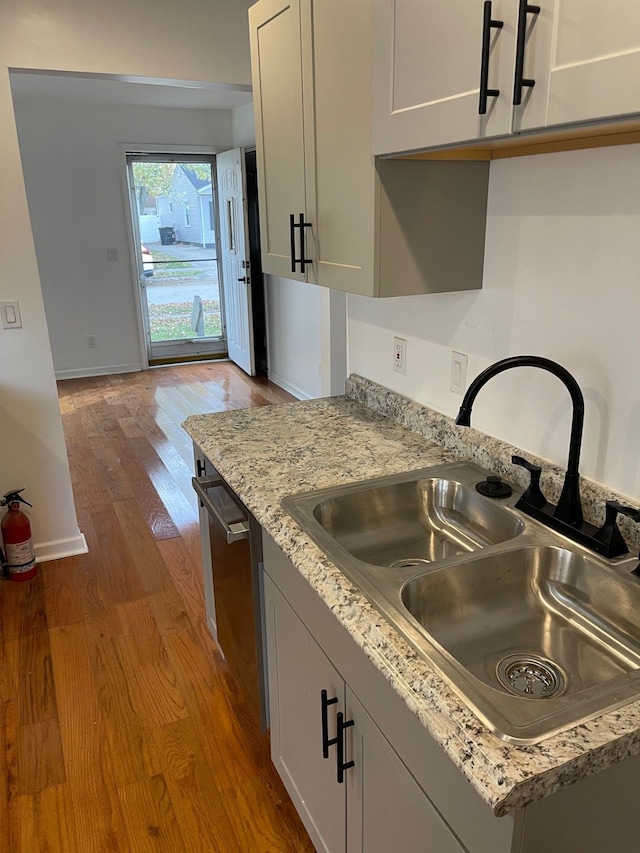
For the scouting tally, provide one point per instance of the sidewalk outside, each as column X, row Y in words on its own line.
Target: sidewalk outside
column 171, row 291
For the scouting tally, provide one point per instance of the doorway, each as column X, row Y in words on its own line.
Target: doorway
column 175, row 233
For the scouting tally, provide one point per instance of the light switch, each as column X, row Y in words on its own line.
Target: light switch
column 458, row 378
column 10, row 313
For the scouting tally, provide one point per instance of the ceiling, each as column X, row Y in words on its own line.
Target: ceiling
column 134, row 91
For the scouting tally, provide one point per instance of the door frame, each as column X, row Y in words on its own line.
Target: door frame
column 150, row 149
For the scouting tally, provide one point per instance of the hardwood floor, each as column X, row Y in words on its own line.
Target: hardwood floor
column 123, row 729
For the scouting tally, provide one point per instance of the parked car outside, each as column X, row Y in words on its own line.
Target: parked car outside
column 147, row 260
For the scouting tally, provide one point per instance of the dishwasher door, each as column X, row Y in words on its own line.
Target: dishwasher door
column 235, row 546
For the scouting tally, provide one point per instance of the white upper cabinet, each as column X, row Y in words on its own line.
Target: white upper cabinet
column 312, row 103
column 546, row 64
column 585, row 60
column 278, row 108
column 428, row 64
column 330, row 215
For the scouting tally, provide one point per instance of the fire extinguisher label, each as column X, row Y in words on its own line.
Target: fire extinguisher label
column 20, row 557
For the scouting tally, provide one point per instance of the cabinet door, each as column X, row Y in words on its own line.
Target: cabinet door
column 276, row 62
column 386, row 808
column 340, row 169
column 585, row 60
column 298, row 672
column 595, row 67
column 427, row 65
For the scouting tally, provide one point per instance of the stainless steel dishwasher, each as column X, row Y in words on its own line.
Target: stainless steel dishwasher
column 235, row 546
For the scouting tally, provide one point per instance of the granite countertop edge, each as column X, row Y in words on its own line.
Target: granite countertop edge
column 268, row 452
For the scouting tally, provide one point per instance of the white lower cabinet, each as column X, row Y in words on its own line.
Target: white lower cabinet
column 386, row 808
column 298, row 672
column 350, row 787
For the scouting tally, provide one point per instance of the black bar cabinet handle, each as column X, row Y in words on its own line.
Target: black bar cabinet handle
column 324, row 703
column 301, row 224
column 292, row 235
column 487, row 25
column 303, row 251
column 342, row 766
column 520, row 82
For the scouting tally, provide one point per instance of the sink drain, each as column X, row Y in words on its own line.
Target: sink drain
column 409, row 563
column 531, row 676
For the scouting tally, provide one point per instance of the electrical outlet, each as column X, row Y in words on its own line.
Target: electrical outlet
column 112, row 254
column 91, row 341
column 400, row 356
column 458, row 379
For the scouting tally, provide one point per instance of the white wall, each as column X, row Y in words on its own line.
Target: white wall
column 562, row 280
column 72, row 171
column 294, row 335
column 244, row 129
column 32, row 452
column 204, row 40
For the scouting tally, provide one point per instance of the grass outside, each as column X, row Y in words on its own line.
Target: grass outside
column 171, row 267
column 172, row 321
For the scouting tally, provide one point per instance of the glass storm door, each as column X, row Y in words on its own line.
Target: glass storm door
column 173, row 200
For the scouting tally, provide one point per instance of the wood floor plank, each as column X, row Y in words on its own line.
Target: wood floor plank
column 157, row 693
column 152, row 826
column 37, row 696
column 144, row 556
column 61, row 593
column 150, row 503
column 204, row 821
column 128, row 732
column 39, row 756
column 185, row 572
column 169, row 611
column 98, row 818
column 141, row 634
column 181, row 442
column 10, row 670
column 45, row 822
column 121, row 579
column 106, row 576
column 230, row 757
column 260, row 829
column 8, row 773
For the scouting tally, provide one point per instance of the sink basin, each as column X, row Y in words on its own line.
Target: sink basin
column 425, row 519
column 533, row 634
column 543, row 624
column 406, row 520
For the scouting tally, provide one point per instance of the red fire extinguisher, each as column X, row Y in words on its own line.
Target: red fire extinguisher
column 16, row 535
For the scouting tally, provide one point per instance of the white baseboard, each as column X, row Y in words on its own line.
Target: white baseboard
column 59, row 548
column 82, row 372
column 287, row 386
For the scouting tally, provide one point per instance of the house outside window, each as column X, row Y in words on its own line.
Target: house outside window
column 187, row 215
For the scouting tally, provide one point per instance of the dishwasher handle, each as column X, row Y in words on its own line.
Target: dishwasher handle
column 234, row 532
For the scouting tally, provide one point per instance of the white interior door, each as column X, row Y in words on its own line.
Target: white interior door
column 234, row 249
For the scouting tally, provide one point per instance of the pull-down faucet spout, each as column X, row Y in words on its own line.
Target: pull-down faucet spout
column 569, row 509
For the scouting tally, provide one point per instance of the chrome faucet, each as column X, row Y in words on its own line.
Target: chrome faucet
column 567, row 516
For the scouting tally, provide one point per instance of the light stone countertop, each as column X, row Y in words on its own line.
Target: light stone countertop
column 270, row 452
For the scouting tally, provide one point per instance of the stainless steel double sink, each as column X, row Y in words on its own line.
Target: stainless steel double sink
column 534, row 633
